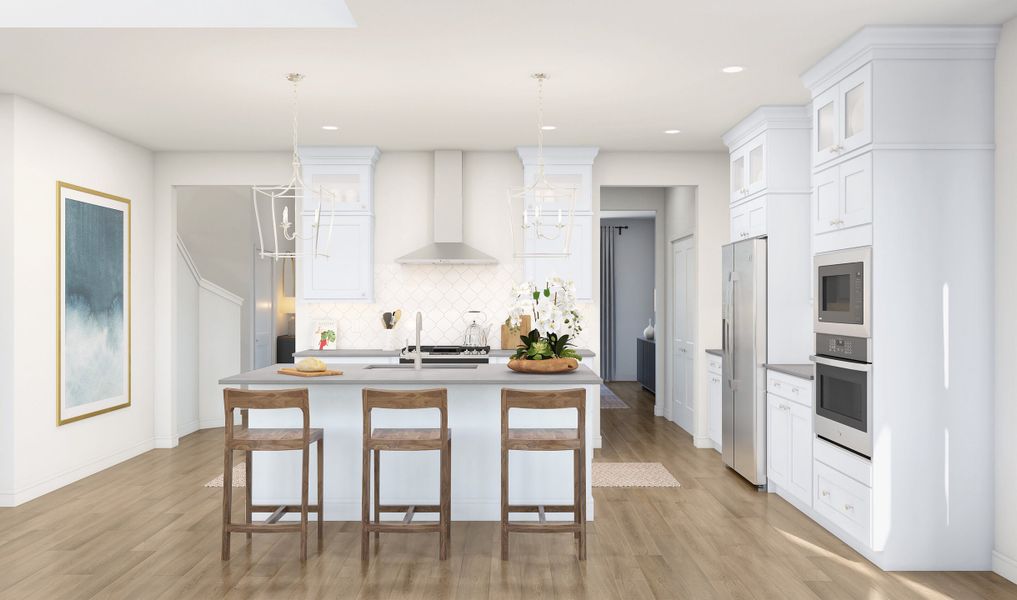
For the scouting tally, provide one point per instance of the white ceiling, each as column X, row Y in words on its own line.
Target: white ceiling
column 455, row 74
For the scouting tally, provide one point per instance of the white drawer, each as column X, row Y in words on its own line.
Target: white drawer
column 849, row 463
column 844, row 501
column 789, row 388
column 714, row 364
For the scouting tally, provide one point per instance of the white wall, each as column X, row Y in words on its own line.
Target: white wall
column 187, row 348
column 218, row 355
column 707, row 172
column 50, row 147
column 1005, row 554
column 6, row 299
column 634, row 288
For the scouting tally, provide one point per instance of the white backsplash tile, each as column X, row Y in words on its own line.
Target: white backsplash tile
column 443, row 293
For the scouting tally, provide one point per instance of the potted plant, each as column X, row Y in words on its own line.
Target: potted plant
column 548, row 347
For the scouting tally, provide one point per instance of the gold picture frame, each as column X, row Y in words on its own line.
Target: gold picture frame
column 93, row 212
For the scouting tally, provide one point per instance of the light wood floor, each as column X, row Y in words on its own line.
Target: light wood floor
column 148, row 529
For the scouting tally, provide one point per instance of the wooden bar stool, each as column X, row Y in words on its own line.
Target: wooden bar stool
column 250, row 440
column 545, row 440
column 406, row 440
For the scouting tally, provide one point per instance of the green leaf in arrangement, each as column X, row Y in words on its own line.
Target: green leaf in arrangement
column 547, row 292
column 536, row 295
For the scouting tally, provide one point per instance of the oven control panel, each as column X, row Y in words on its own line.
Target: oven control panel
column 843, row 346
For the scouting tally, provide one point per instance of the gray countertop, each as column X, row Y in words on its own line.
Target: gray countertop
column 375, row 352
column 715, row 351
column 806, row 371
column 359, row 375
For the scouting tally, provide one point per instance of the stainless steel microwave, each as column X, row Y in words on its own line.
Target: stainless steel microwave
column 844, row 292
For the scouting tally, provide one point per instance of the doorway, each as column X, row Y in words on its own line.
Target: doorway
column 683, row 255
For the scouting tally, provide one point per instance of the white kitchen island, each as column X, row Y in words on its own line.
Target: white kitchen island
column 474, row 412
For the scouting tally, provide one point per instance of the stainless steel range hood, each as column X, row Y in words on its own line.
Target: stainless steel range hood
column 448, row 247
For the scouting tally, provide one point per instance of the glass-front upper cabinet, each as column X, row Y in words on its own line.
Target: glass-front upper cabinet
column 842, row 117
column 748, row 169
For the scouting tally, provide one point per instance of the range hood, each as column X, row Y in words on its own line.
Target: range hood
column 448, row 247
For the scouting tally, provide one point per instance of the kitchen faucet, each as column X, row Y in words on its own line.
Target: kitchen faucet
column 418, row 361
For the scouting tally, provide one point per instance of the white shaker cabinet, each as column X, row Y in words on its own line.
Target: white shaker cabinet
column 348, row 272
column 716, row 391
column 748, row 219
column 789, row 436
column 842, row 116
column 843, row 195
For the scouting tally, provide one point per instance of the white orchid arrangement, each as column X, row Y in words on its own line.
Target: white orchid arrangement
column 556, row 320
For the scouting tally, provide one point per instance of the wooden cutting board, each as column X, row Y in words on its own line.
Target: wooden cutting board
column 297, row 373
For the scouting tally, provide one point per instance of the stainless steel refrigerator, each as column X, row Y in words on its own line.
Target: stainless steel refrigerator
column 744, row 347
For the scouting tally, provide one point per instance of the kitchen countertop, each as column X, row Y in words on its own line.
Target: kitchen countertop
column 806, row 371
column 715, row 351
column 359, row 375
column 375, row 352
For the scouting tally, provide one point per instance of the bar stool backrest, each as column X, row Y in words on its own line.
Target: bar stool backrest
column 234, row 399
column 406, row 399
column 544, row 399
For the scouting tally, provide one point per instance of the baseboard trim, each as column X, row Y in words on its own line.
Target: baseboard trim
column 167, row 441
column 211, row 423
column 188, row 428
column 69, row 476
column 1004, row 566
column 702, row 442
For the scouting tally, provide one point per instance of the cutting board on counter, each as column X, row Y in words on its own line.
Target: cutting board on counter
column 297, row 373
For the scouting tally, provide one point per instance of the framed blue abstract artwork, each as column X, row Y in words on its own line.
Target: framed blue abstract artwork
column 93, row 303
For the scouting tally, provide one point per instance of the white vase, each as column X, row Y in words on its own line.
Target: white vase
column 648, row 332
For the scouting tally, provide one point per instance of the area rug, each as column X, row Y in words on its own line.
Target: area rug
column 239, row 477
column 607, row 474
column 609, row 399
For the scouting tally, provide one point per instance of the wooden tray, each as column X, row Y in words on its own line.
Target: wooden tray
column 549, row 366
column 297, row 373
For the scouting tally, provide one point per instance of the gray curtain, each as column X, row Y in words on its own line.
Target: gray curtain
column 607, row 285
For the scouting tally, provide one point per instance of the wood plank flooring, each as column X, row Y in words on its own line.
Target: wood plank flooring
column 148, row 529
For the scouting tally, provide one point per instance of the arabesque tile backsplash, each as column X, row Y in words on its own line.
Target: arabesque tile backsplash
column 443, row 293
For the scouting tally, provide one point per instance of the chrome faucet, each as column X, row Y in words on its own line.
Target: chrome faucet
column 418, row 361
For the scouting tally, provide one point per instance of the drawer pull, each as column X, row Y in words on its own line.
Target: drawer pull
column 776, row 384
column 824, row 493
column 849, row 507
column 794, row 390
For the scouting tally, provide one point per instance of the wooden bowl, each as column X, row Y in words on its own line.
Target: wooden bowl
column 544, row 367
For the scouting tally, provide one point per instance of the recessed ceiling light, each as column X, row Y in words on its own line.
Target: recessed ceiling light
column 330, row 127
column 672, row 131
column 733, row 69
column 549, row 128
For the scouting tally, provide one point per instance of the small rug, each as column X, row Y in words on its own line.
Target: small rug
column 632, row 475
column 239, row 477
column 609, row 399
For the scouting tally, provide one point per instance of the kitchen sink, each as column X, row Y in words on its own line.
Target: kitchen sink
column 427, row 366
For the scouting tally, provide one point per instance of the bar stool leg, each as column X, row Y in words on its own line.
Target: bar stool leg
column 504, row 502
column 321, row 491
column 377, row 492
column 247, row 490
column 227, row 501
column 365, row 505
column 443, row 509
column 576, row 492
column 582, row 503
column 304, row 484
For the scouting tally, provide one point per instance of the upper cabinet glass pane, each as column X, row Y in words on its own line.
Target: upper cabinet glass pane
column 854, row 110
column 738, row 174
column 826, row 126
column 756, row 165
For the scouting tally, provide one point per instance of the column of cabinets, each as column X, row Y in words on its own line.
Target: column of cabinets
column 714, row 375
column 347, row 274
column 566, row 167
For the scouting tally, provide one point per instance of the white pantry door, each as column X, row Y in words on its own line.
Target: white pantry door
column 683, row 252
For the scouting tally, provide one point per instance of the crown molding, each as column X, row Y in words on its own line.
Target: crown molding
column 902, row 43
column 339, row 155
column 559, row 155
column 767, row 117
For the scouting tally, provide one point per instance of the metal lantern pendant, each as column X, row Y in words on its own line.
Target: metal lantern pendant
column 540, row 214
column 312, row 243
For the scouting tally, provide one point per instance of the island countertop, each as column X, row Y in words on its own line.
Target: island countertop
column 359, row 374
column 375, row 352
